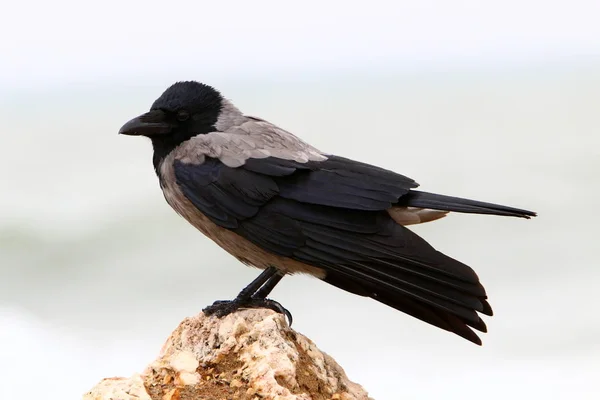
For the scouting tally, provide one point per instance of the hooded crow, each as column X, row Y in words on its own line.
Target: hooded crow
column 279, row 204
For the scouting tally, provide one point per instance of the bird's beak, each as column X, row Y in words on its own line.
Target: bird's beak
column 150, row 124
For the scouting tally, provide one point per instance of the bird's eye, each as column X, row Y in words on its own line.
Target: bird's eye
column 183, row 115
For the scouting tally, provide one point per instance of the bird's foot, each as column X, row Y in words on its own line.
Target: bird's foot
column 222, row 308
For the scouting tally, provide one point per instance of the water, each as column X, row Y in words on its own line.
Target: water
column 96, row 270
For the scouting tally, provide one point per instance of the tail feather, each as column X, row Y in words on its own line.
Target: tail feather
column 415, row 198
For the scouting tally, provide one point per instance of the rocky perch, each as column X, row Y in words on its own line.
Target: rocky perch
column 251, row 354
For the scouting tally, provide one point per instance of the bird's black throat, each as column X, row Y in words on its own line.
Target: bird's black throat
column 166, row 144
column 163, row 145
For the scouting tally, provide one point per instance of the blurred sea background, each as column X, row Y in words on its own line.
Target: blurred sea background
column 493, row 101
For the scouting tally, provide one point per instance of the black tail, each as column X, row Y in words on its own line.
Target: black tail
column 433, row 201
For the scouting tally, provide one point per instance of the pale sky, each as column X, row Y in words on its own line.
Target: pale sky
column 67, row 40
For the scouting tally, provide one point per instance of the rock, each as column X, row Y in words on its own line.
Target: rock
column 250, row 354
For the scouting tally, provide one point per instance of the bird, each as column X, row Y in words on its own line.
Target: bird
column 276, row 203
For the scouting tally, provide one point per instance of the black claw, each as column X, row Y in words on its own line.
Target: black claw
column 275, row 306
column 222, row 308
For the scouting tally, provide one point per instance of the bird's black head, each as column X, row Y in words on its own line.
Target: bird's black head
column 184, row 110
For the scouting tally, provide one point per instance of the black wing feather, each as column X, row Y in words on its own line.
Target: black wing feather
column 224, row 194
column 339, row 182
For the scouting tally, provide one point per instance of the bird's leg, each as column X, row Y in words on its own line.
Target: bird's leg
column 252, row 296
column 256, row 284
column 260, row 297
column 269, row 285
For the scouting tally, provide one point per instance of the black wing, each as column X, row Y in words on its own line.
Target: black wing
column 333, row 215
